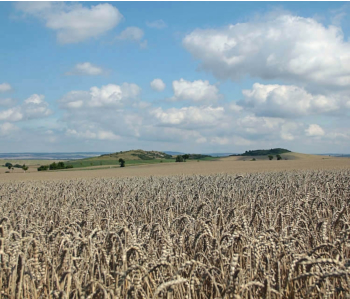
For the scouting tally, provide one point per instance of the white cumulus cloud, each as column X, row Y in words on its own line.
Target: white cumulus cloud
column 314, row 130
column 283, row 47
column 32, row 108
column 107, row 96
column 158, row 85
column 88, row 134
column 276, row 100
column 196, row 91
column 188, row 116
column 74, row 22
column 86, row 68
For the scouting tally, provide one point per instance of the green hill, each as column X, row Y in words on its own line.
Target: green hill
column 132, row 157
column 272, row 151
column 136, row 155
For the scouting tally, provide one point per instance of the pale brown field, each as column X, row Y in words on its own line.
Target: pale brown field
column 230, row 165
column 260, row 235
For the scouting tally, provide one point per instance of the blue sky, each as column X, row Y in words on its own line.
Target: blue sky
column 184, row 76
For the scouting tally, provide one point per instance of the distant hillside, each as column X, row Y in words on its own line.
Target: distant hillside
column 221, row 154
column 173, row 153
column 137, row 155
column 198, row 156
column 273, row 151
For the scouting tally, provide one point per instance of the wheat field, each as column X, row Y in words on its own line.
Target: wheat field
column 258, row 235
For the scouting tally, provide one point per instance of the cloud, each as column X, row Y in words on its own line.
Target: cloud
column 157, row 85
column 276, row 100
column 100, row 135
column 314, row 130
column 4, row 87
column 220, row 140
column 133, row 34
column 7, row 129
column 107, row 96
column 196, row 91
column 12, row 114
column 158, row 24
column 7, row 102
column 284, row 47
column 189, row 116
column 86, row 68
column 74, row 22
column 234, row 107
column 32, row 108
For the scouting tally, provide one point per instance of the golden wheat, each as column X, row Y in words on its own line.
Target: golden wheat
column 270, row 235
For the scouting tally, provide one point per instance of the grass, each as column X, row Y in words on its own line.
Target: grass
column 102, row 161
column 110, row 162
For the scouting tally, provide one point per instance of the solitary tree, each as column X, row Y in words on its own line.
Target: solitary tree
column 270, row 157
column 25, row 168
column 185, row 157
column 179, row 159
column 278, row 157
column 122, row 162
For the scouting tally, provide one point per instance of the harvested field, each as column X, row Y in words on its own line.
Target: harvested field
column 261, row 235
column 228, row 165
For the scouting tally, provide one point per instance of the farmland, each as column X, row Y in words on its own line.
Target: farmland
column 255, row 235
column 230, row 165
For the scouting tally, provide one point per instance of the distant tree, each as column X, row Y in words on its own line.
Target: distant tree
column 53, row 166
column 43, row 167
column 185, row 157
column 270, row 157
column 121, row 162
column 25, row 168
column 179, row 159
column 8, row 165
column 278, row 157
column 60, row 165
column 253, row 159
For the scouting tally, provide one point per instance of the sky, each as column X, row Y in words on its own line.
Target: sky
column 194, row 77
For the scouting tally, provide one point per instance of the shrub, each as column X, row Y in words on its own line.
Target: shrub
column 43, row 167
column 278, row 157
column 270, row 157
